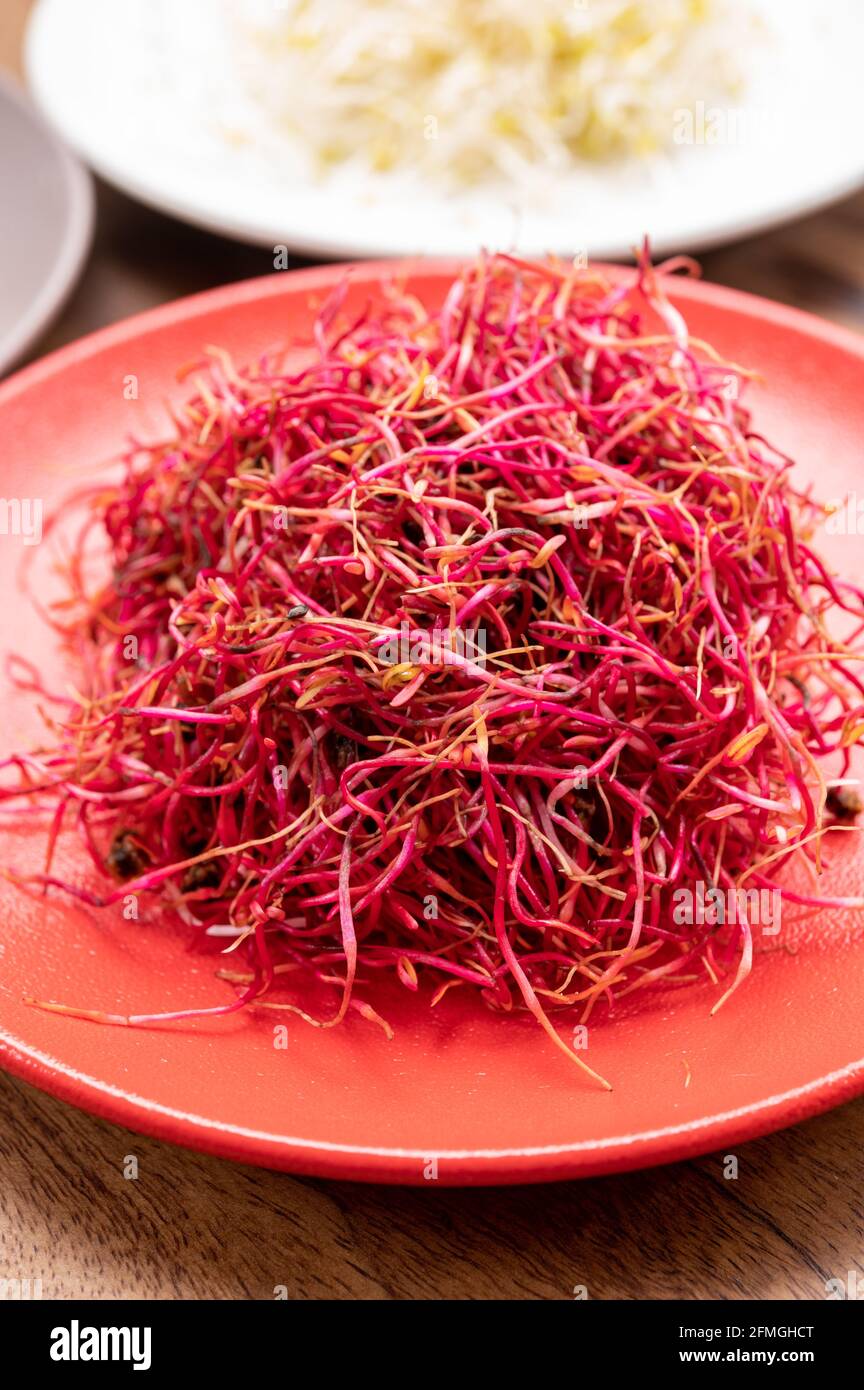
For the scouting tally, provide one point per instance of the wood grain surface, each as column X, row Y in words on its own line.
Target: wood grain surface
column 195, row 1227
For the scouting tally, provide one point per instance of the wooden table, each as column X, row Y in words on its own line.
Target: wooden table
column 195, row 1227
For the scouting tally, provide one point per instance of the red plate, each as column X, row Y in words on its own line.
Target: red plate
column 485, row 1096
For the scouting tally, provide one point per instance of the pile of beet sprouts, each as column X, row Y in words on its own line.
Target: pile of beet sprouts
column 283, row 735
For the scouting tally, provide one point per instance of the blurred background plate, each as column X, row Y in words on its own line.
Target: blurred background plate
column 152, row 95
column 46, row 224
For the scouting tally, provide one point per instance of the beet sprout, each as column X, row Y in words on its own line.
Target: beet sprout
column 454, row 655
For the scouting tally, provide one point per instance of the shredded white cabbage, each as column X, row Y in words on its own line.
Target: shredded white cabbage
column 467, row 91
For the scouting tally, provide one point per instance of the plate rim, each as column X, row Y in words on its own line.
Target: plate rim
column 321, row 277
column 383, row 1163
column 461, row 1167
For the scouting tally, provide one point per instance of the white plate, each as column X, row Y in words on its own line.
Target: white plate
column 136, row 87
column 46, row 223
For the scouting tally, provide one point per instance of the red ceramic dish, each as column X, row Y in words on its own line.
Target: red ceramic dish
column 459, row 1092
